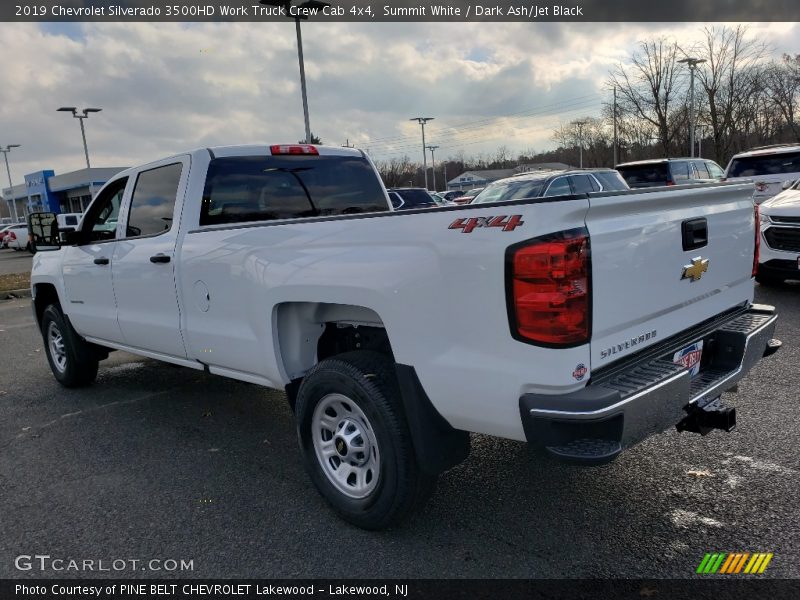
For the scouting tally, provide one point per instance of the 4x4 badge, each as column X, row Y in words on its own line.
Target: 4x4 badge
column 695, row 270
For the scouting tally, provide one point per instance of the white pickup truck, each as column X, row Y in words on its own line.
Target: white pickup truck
column 580, row 323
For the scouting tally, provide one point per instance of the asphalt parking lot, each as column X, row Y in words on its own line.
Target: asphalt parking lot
column 15, row 261
column 158, row 462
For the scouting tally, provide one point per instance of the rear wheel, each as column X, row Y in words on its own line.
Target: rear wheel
column 356, row 443
column 73, row 361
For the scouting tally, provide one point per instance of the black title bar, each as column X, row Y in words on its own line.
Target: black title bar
column 454, row 11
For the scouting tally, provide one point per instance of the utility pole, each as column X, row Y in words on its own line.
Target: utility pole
column 433, row 165
column 579, row 125
column 422, row 121
column 616, row 143
column 85, row 115
column 692, row 64
column 13, row 202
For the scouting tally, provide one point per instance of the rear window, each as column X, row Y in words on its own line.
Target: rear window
column 770, row 164
column 265, row 188
column 655, row 174
column 415, row 198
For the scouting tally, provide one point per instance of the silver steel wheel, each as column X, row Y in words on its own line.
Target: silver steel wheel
column 55, row 343
column 346, row 446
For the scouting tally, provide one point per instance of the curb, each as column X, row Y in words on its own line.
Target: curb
column 14, row 294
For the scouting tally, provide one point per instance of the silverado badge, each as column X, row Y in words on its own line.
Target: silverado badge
column 695, row 270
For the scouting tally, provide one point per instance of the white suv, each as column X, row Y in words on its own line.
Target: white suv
column 779, row 256
column 770, row 167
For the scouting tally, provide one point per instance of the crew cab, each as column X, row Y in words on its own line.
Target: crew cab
column 581, row 323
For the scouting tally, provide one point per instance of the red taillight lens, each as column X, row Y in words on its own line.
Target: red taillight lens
column 757, row 248
column 293, row 149
column 549, row 295
column 12, row 236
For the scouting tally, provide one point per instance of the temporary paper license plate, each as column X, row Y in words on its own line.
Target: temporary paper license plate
column 690, row 357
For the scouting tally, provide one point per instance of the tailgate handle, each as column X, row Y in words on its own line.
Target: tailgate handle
column 694, row 233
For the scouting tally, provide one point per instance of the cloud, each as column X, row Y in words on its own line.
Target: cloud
column 169, row 87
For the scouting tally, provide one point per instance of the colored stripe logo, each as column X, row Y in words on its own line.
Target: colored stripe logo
column 734, row 563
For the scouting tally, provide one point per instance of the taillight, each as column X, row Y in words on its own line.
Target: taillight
column 670, row 182
column 548, row 289
column 757, row 248
column 12, row 236
column 279, row 149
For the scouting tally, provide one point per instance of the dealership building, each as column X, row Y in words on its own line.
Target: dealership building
column 48, row 192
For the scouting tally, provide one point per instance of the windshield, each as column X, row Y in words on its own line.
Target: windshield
column 770, row 164
column 511, row 190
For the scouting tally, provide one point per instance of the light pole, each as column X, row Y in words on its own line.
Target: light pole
column 692, row 63
column 85, row 115
column 422, row 121
column 13, row 202
column 579, row 125
column 301, row 15
column 433, row 165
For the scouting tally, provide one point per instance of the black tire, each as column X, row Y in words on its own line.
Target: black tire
column 367, row 380
column 77, row 362
column 768, row 280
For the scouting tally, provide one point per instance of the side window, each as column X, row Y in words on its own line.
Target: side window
column 583, row 184
column 101, row 217
column 702, row 172
column 680, row 171
column 153, row 201
column 558, row 187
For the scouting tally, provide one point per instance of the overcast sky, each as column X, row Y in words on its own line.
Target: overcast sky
column 166, row 87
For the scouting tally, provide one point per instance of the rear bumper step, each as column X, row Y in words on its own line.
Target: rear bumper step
column 594, row 424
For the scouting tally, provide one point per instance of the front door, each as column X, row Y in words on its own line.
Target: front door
column 88, row 286
column 144, row 261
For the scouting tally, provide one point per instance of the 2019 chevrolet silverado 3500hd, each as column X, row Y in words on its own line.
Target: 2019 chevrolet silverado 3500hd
column 580, row 323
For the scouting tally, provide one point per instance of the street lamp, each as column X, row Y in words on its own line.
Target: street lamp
column 85, row 115
column 12, row 202
column 433, row 165
column 692, row 63
column 310, row 6
column 579, row 125
column 422, row 121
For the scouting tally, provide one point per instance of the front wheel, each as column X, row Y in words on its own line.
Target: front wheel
column 356, row 443
column 73, row 361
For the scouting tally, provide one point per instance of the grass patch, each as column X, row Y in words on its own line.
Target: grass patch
column 15, row 281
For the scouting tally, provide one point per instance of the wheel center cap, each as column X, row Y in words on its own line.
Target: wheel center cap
column 341, row 446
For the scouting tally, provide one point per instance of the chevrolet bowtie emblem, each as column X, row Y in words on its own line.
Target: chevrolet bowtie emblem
column 695, row 270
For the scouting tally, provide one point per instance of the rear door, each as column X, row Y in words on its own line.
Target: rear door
column 143, row 265
column 665, row 261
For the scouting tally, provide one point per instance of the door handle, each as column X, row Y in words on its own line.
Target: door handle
column 101, row 261
column 159, row 258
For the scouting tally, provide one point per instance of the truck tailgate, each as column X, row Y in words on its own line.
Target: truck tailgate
column 645, row 285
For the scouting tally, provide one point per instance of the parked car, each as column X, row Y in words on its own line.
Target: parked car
column 779, row 257
column 468, row 196
column 450, row 195
column 17, row 237
column 3, row 233
column 670, row 171
column 770, row 167
column 579, row 325
column 410, row 198
column 537, row 184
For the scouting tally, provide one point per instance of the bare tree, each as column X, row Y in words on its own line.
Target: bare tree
column 782, row 83
column 650, row 87
column 730, row 80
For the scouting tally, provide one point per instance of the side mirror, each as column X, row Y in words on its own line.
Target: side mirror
column 787, row 184
column 43, row 232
